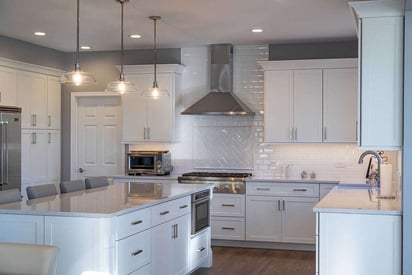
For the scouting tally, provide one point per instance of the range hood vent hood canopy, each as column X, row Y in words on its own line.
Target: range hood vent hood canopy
column 221, row 100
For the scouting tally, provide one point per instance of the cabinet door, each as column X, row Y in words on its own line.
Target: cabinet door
column 134, row 110
column 38, row 100
column 278, row 106
column 340, row 98
column 307, row 98
column 381, row 49
column 298, row 220
column 34, row 157
column 21, row 229
column 181, row 245
column 232, row 205
column 53, row 156
column 23, row 99
column 8, row 87
column 160, row 111
column 53, row 102
column 263, row 218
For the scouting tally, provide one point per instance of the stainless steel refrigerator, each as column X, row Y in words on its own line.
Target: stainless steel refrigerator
column 10, row 148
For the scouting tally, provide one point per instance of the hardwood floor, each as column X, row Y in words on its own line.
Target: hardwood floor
column 247, row 261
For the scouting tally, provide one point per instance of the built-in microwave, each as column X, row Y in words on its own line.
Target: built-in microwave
column 148, row 162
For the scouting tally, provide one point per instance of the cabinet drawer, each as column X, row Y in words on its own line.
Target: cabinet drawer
column 133, row 223
column 169, row 210
column 199, row 249
column 145, row 270
column 228, row 228
column 134, row 252
column 283, row 189
column 228, row 205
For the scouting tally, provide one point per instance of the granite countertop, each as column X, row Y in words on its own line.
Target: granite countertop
column 357, row 200
column 113, row 200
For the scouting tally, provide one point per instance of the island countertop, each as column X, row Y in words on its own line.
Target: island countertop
column 113, row 200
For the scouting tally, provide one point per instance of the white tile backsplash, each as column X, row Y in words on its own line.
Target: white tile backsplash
column 236, row 142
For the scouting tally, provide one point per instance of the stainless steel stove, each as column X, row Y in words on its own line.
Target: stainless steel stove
column 227, row 183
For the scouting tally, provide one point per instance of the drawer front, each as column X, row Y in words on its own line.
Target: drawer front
column 146, row 270
column 133, row 223
column 134, row 252
column 169, row 210
column 228, row 205
column 226, row 228
column 283, row 189
column 199, row 248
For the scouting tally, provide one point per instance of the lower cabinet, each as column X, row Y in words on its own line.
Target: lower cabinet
column 170, row 247
column 22, row 229
column 200, row 250
column 350, row 243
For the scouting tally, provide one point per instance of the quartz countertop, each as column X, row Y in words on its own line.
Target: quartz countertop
column 113, row 200
column 292, row 180
column 357, row 200
column 147, row 177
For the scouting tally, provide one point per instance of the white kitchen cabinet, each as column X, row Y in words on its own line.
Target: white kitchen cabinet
column 340, row 97
column 53, row 156
column 293, row 106
column 227, row 213
column 21, row 229
column 380, row 30
column 170, row 247
column 285, row 209
column 53, row 102
column 147, row 119
column 301, row 98
column 359, row 244
column 200, row 250
column 8, row 87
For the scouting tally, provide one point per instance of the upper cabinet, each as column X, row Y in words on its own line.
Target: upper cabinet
column 147, row 119
column 310, row 100
column 8, row 87
column 380, row 30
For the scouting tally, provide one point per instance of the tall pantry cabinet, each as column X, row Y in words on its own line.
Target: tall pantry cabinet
column 37, row 91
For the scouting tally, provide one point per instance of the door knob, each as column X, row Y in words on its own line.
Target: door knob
column 81, row 170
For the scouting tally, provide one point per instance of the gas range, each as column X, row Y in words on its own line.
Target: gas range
column 227, row 183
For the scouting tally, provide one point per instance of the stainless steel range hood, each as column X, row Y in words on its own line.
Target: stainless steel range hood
column 220, row 100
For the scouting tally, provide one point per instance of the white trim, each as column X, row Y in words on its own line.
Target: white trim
column 74, row 108
column 4, row 62
column 309, row 64
column 378, row 8
column 160, row 68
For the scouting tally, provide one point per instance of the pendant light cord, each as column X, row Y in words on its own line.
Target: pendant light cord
column 155, row 51
column 77, row 37
column 121, row 43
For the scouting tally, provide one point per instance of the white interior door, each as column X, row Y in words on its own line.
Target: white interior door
column 98, row 136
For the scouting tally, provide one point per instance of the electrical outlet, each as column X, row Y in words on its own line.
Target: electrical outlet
column 340, row 165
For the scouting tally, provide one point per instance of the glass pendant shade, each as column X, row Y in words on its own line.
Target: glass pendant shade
column 77, row 77
column 121, row 86
column 155, row 92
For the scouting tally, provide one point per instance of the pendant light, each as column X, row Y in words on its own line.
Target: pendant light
column 77, row 77
column 155, row 91
column 121, row 86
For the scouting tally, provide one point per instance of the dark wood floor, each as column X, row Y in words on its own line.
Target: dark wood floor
column 246, row 261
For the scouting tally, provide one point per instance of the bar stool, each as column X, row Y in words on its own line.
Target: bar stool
column 11, row 195
column 72, row 186
column 39, row 191
column 94, row 182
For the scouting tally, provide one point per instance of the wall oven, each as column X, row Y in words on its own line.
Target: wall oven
column 200, row 211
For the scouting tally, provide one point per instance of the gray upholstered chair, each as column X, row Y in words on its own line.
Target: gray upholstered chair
column 39, row 191
column 94, row 182
column 18, row 258
column 8, row 196
column 72, row 186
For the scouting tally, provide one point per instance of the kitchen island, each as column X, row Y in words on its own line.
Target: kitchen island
column 358, row 233
column 113, row 229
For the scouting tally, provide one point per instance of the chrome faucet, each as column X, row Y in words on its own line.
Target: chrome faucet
column 378, row 157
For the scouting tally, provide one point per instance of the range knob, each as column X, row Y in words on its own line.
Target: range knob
column 216, row 189
column 237, row 188
column 226, row 188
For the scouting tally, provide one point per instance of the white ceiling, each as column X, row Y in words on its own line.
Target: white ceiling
column 184, row 22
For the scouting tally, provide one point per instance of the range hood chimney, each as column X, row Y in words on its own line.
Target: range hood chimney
column 220, row 100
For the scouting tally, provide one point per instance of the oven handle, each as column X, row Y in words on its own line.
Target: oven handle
column 201, row 200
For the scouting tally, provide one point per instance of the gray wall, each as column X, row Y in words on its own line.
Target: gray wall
column 407, row 144
column 343, row 49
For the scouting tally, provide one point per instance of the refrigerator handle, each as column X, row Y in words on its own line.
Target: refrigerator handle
column 6, row 152
column 2, row 152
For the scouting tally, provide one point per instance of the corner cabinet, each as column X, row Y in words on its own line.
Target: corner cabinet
column 147, row 119
column 310, row 100
column 380, row 30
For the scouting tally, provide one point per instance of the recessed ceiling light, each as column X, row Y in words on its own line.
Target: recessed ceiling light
column 39, row 33
column 85, row 47
column 135, row 36
column 257, row 30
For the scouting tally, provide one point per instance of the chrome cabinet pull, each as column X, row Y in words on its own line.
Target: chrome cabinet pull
column 49, row 138
column 136, row 222
column 33, row 120
column 283, row 203
column 324, row 133
column 33, row 138
column 144, row 133
column 296, row 134
column 262, row 189
column 290, row 133
column 164, row 213
column 228, row 205
column 201, row 249
column 135, row 253
column 300, row 190
column 278, row 205
column 49, row 120
column 228, row 228
column 183, row 206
